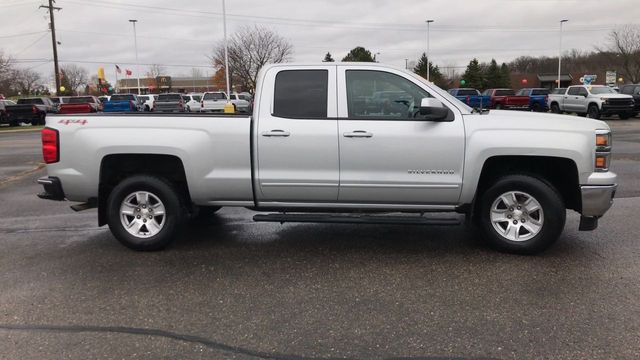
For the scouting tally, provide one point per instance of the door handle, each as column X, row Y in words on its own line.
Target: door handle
column 358, row 134
column 276, row 133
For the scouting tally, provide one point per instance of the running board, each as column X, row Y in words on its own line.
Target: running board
column 356, row 219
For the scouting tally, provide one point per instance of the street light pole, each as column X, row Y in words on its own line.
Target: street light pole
column 228, row 107
column 560, row 53
column 135, row 43
column 428, row 30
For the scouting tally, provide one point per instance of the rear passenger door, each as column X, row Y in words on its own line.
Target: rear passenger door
column 297, row 135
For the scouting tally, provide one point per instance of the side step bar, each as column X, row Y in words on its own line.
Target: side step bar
column 356, row 219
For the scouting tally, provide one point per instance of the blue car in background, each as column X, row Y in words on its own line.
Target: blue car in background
column 471, row 97
column 537, row 98
column 122, row 103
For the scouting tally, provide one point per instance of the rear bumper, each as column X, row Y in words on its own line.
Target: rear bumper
column 597, row 199
column 52, row 188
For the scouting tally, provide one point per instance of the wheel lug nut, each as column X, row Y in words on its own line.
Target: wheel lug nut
column 519, row 207
column 515, row 222
column 151, row 217
column 144, row 220
column 138, row 217
column 137, row 209
column 144, row 206
column 522, row 221
column 510, row 209
column 508, row 216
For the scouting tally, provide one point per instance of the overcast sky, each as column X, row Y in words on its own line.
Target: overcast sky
column 179, row 34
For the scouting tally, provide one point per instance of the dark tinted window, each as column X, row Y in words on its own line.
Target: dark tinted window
column 468, row 92
column 505, row 92
column 122, row 98
column 169, row 97
column 80, row 100
column 540, row 92
column 31, row 101
column 573, row 91
column 628, row 89
column 301, row 94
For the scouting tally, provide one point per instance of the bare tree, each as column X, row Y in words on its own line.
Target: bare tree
column 155, row 71
column 6, row 73
column 27, row 81
column 250, row 48
column 76, row 76
column 625, row 43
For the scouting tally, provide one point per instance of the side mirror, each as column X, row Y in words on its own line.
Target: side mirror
column 433, row 110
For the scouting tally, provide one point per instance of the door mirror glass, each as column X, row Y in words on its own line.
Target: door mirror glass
column 433, row 110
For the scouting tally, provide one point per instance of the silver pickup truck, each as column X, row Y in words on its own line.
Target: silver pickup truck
column 318, row 149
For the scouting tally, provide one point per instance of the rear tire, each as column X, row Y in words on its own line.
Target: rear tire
column 498, row 107
column 533, row 204
column 555, row 108
column 144, row 213
column 537, row 107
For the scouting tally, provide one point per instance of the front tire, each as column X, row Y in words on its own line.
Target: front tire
column 144, row 213
column 624, row 116
column 521, row 214
column 593, row 112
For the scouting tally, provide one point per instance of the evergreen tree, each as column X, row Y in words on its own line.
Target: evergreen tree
column 473, row 75
column 328, row 58
column 359, row 54
column 493, row 76
column 505, row 73
column 434, row 72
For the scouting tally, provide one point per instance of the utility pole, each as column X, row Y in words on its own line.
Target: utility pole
column 560, row 52
column 135, row 44
column 52, row 25
column 428, row 28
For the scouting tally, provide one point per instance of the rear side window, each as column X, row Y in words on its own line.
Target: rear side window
column 169, row 97
column 540, row 92
column 506, row 92
column 468, row 92
column 31, row 101
column 573, row 91
column 301, row 94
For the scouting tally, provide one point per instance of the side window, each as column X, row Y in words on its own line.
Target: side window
column 301, row 94
column 573, row 91
column 382, row 95
column 626, row 90
column 583, row 92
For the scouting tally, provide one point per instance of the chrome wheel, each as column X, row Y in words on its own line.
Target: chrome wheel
column 517, row 216
column 142, row 214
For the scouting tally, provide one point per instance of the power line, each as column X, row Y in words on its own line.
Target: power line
column 22, row 34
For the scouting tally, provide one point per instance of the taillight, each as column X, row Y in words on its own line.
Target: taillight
column 34, row 109
column 468, row 100
column 546, row 98
column 132, row 105
column 50, row 145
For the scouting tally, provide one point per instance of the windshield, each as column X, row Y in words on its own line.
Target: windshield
column 125, row 97
column 468, row 92
column 169, row 97
column 433, row 88
column 602, row 90
column 540, row 92
column 80, row 100
column 505, row 92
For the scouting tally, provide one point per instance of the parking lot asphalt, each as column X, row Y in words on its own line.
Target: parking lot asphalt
column 243, row 290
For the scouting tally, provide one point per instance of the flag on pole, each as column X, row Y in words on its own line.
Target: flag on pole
column 118, row 69
column 128, row 72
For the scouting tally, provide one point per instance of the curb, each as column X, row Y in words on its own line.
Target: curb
column 30, row 129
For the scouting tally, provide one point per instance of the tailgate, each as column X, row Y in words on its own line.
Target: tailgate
column 117, row 106
column 74, row 109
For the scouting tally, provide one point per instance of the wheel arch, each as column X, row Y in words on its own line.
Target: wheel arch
column 116, row 167
column 561, row 173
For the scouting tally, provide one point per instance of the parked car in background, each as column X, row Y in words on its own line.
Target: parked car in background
column 4, row 116
column 30, row 110
column 171, row 102
column 214, row 102
column 471, row 97
column 147, row 101
column 506, row 99
column 592, row 101
column 104, row 98
column 537, row 98
column 634, row 91
column 192, row 102
column 58, row 100
column 122, row 103
column 81, row 105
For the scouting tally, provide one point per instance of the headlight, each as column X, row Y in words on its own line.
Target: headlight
column 605, row 100
column 603, row 151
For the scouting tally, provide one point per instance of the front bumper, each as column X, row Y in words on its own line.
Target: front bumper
column 52, row 188
column 597, row 199
column 616, row 109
